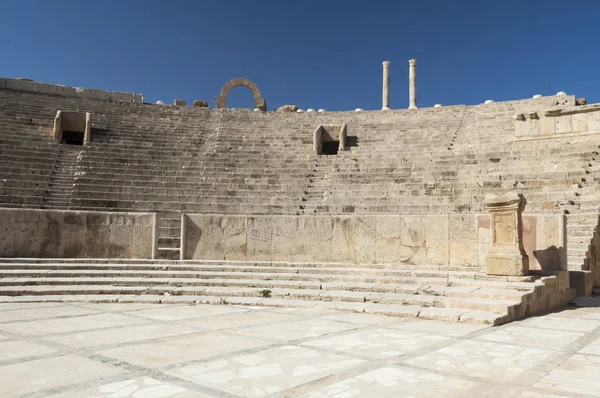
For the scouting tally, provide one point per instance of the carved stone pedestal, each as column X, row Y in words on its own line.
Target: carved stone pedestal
column 507, row 254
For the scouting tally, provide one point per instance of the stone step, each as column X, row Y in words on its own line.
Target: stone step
column 448, row 314
column 422, row 291
column 489, row 305
column 169, row 242
column 376, row 274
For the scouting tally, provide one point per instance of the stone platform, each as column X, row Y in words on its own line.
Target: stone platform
column 62, row 350
column 464, row 294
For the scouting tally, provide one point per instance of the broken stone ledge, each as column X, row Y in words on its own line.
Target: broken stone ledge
column 67, row 91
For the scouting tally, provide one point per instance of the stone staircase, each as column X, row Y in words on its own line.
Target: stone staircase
column 317, row 190
column 583, row 219
column 458, row 294
column 169, row 235
column 60, row 185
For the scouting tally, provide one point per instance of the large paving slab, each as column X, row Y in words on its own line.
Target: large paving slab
column 72, row 350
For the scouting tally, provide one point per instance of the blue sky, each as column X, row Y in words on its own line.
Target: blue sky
column 316, row 54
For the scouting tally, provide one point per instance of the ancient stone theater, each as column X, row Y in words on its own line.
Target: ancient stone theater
column 482, row 213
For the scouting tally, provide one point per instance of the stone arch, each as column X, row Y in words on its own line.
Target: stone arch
column 259, row 101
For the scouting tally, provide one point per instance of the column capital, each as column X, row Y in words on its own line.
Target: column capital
column 386, row 64
column 412, row 62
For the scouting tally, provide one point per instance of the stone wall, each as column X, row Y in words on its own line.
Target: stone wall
column 67, row 91
column 76, row 234
column 440, row 239
column 559, row 122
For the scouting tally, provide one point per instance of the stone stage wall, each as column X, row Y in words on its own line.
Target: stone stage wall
column 441, row 239
column 76, row 234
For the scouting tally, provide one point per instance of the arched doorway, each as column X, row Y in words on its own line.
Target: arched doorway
column 259, row 101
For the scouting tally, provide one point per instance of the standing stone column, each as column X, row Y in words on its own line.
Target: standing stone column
column 386, row 86
column 507, row 255
column 412, row 84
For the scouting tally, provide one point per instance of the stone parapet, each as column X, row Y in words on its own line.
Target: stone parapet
column 67, row 91
column 35, row 233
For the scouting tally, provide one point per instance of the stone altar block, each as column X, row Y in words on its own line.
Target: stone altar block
column 507, row 255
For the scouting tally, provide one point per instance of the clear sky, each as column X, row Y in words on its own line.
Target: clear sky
column 313, row 53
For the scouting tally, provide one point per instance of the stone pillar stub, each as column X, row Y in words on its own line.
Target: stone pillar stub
column 412, row 84
column 221, row 101
column 385, row 103
column 507, row 254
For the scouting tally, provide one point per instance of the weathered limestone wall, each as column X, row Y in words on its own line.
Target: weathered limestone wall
column 548, row 124
column 76, row 234
column 67, row 91
column 442, row 239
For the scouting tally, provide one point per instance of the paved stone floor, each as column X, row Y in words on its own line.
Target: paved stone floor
column 64, row 350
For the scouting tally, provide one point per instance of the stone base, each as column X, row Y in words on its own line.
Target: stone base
column 581, row 281
column 506, row 263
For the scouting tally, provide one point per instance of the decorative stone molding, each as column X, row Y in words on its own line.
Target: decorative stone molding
column 507, row 255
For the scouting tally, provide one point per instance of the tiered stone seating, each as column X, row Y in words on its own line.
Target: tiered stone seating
column 457, row 294
column 170, row 160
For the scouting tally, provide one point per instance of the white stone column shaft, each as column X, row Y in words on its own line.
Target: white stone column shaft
column 386, row 86
column 412, row 84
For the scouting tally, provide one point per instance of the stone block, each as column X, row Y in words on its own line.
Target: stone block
column 549, row 246
column 259, row 238
column 120, row 240
column 234, row 237
column 593, row 121
column 547, row 126
column 499, row 263
column 74, row 239
column 313, row 239
column 507, row 255
column 97, row 240
column 143, row 236
column 563, row 124
column 413, row 239
column 464, row 237
column 365, row 237
column 200, row 104
column 530, row 239
column 582, row 282
column 180, row 102
column 343, row 239
column 205, row 236
column 485, row 237
column 579, row 122
column 387, row 245
column 437, row 239
column 285, row 234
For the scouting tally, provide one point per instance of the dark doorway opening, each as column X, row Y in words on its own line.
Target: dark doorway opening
column 72, row 137
column 330, row 147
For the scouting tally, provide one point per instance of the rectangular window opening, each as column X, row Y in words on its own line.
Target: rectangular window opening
column 72, row 137
column 330, row 147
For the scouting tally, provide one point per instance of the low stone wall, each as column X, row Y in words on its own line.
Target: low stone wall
column 67, row 91
column 76, row 234
column 441, row 239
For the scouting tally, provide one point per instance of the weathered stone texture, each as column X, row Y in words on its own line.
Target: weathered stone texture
column 76, row 234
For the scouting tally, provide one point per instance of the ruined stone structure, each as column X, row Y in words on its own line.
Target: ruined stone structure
column 382, row 212
column 259, row 102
